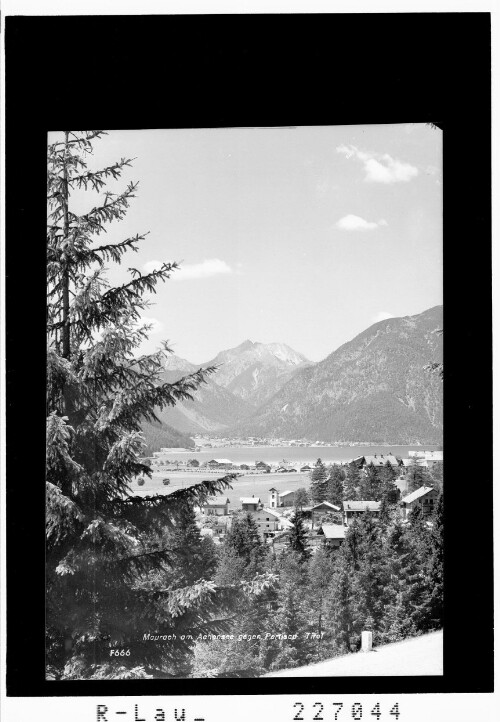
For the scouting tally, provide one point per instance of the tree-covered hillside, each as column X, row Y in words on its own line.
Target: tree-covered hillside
column 374, row 388
column 158, row 435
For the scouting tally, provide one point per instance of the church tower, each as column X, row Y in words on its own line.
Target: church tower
column 273, row 498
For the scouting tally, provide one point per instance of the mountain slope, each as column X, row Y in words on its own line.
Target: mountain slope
column 256, row 371
column 373, row 388
column 212, row 408
column 158, row 436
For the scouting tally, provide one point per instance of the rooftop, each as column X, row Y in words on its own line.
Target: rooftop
column 422, row 491
column 217, row 501
column 332, row 531
column 361, row 505
column 419, row 459
column 327, row 504
column 380, row 460
column 270, row 511
column 428, row 455
column 249, row 499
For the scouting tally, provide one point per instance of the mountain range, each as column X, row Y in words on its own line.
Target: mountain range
column 246, row 376
column 374, row 388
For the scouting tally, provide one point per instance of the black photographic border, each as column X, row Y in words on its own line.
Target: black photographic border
column 263, row 70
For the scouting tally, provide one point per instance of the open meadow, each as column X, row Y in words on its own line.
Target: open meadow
column 248, row 485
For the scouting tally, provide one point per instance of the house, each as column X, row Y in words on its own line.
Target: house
column 320, row 510
column 218, row 528
column 354, row 509
column 267, row 521
column 425, row 497
column 250, row 503
column 380, row 460
column 430, row 457
column 215, row 506
column 220, row 464
column 262, row 466
column 407, row 464
column 433, row 457
column 357, row 462
column 333, row 535
column 306, row 467
column 287, row 498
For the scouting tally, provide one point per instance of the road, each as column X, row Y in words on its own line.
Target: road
column 410, row 658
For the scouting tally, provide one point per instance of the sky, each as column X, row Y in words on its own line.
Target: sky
column 304, row 236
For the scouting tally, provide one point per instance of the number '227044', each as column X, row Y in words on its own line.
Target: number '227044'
column 338, row 711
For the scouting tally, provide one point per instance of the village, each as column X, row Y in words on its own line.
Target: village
column 325, row 523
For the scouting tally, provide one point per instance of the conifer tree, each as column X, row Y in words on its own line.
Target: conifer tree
column 110, row 567
column 397, row 624
column 244, row 540
column 436, row 582
column 389, row 492
column 370, row 484
column 408, row 588
column 370, row 577
column 321, row 571
column 417, row 475
column 339, row 613
column 291, row 616
column 335, row 487
column 318, row 482
column 301, row 498
column 352, row 483
column 195, row 556
column 436, row 474
column 298, row 536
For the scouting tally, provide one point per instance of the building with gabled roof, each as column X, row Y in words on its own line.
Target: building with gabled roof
column 333, row 534
column 427, row 458
column 287, row 498
column 215, row 506
column 220, row 464
column 380, row 460
column 319, row 510
column 217, row 527
column 250, row 503
column 267, row 521
column 354, row 509
column 425, row 497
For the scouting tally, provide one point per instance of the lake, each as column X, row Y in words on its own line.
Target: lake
column 294, row 454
